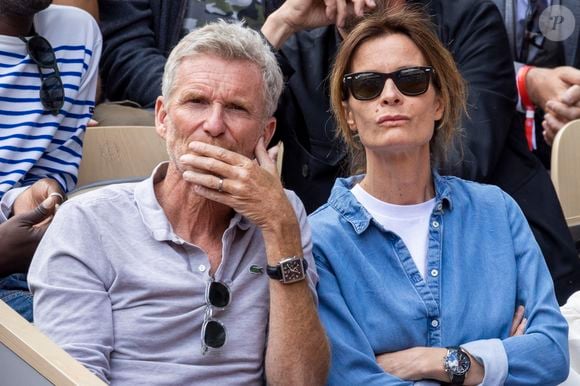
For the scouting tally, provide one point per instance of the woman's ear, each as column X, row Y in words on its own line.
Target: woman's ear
column 349, row 117
column 439, row 109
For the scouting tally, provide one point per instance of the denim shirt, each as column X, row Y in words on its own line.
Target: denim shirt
column 482, row 262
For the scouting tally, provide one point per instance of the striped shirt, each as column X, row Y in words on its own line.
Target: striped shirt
column 35, row 144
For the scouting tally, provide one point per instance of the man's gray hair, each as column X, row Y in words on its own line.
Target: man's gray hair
column 229, row 41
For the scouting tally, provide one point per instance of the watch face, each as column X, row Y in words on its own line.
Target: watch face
column 292, row 270
column 458, row 362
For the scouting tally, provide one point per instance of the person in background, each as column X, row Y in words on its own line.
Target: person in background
column 202, row 273
column 48, row 77
column 138, row 36
column 420, row 274
column 91, row 6
column 547, row 66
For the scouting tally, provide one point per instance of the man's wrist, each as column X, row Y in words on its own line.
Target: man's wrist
column 8, row 200
column 525, row 85
column 533, row 84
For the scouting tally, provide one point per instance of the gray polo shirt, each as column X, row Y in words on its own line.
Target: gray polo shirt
column 122, row 293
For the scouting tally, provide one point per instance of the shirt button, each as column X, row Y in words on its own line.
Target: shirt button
column 439, row 206
column 434, row 272
column 201, row 268
column 435, row 323
column 435, row 224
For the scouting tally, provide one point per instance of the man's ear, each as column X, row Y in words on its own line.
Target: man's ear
column 349, row 117
column 160, row 116
column 269, row 129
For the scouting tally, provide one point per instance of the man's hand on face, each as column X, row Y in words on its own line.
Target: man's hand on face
column 251, row 187
column 560, row 111
column 32, row 197
column 20, row 235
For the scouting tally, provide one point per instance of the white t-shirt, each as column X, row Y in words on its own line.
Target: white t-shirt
column 409, row 222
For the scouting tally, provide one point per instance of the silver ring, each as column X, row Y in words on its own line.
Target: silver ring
column 55, row 194
column 220, row 185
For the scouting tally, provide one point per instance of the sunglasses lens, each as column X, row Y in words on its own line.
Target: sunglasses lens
column 412, row 81
column 219, row 294
column 41, row 52
column 214, row 334
column 367, row 85
column 52, row 93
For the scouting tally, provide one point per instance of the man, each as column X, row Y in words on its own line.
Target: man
column 547, row 64
column 166, row 281
column 493, row 149
column 48, row 79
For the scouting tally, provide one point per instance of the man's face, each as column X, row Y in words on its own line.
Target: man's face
column 22, row 8
column 216, row 101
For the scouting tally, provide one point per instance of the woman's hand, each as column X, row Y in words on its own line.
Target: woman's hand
column 519, row 322
column 412, row 364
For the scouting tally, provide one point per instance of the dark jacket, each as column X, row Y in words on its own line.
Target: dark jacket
column 137, row 38
column 571, row 45
column 494, row 147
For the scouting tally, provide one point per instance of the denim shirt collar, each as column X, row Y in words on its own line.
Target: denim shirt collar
column 153, row 215
column 343, row 201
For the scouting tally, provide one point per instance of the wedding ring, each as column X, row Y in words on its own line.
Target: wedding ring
column 220, row 185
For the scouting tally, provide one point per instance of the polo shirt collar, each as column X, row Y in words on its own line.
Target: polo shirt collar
column 153, row 215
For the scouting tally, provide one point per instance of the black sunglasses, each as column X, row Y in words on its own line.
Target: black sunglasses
column 365, row 86
column 213, row 332
column 51, row 89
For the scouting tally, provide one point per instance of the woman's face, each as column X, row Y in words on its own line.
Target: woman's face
column 392, row 122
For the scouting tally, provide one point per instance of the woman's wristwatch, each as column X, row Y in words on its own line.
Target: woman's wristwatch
column 456, row 364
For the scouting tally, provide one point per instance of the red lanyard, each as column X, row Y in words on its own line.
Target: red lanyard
column 530, row 124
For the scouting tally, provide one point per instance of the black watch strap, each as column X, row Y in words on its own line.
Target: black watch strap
column 275, row 271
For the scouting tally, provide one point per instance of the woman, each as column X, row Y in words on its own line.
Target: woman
column 420, row 274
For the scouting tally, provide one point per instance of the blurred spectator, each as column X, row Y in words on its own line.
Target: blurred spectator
column 91, row 6
column 138, row 35
column 48, row 78
column 551, row 87
column 493, row 151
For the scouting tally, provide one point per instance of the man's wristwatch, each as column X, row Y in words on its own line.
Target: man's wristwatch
column 289, row 270
column 456, row 364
